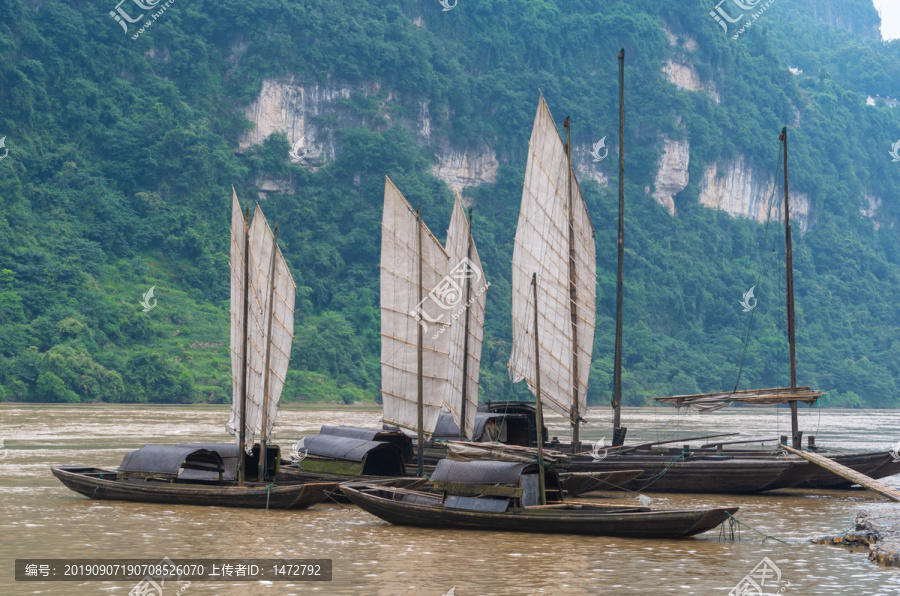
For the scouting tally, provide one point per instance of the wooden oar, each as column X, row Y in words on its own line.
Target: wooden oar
column 844, row 472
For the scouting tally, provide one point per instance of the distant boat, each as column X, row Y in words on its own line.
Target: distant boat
column 505, row 496
column 227, row 474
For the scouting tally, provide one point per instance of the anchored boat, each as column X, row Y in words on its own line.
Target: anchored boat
column 506, row 496
column 227, row 474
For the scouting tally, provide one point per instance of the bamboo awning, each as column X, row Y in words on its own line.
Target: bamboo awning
column 710, row 402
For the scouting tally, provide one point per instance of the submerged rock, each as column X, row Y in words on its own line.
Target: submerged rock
column 880, row 535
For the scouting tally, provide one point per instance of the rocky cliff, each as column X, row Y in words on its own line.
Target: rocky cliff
column 735, row 187
column 309, row 114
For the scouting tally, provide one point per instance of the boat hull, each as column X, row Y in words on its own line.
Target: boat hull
column 666, row 473
column 96, row 483
column 877, row 464
column 633, row 523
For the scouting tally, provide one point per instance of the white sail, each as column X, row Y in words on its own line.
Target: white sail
column 403, row 239
column 465, row 268
column 270, row 328
column 238, row 249
column 542, row 247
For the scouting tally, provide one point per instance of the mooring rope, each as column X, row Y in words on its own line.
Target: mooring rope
column 767, row 536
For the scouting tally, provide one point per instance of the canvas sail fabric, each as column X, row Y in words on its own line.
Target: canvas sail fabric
column 270, row 327
column 402, row 314
column 466, row 270
column 542, row 247
column 238, row 250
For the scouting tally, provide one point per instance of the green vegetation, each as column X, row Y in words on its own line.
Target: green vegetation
column 122, row 153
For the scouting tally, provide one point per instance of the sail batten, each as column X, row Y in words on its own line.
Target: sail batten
column 402, row 314
column 542, row 247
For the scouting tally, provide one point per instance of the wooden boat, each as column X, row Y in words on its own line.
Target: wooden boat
column 502, row 496
column 262, row 331
column 185, row 476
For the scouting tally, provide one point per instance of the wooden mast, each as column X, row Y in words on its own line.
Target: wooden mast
column 573, row 290
column 789, row 290
column 539, row 414
column 420, row 391
column 463, row 435
column 263, row 434
column 242, row 435
column 618, row 431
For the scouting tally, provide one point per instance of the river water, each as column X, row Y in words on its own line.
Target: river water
column 41, row 518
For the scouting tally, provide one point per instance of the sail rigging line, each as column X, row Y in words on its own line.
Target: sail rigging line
column 760, row 270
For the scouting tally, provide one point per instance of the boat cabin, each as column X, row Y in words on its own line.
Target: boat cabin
column 492, row 485
column 509, row 422
column 355, row 451
column 172, row 463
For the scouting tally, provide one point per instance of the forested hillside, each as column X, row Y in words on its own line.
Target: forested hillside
column 123, row 146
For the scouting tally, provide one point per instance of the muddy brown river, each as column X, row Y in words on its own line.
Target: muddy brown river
column 39, row 517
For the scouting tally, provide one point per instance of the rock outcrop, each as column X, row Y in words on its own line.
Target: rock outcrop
column 672, row 173
column 309, row 114
column 734, row 187
column 684, row 76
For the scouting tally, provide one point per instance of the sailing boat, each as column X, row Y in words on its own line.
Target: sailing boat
column 262, row 323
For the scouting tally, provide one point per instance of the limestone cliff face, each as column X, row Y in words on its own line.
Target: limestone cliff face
column 873, row 210
column 734, row 187
column 672, row 172
column 470, row 167
column 309, row 114
column 684, row 76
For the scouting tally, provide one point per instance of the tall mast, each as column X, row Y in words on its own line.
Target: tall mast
column 242, row 435
column 420, row 392
column 789, row 290
column 463, row 435
column 263, row 436
column 539, row 414
column 618, row 431
column 573, row 290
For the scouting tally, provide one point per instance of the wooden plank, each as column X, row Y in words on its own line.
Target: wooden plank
column 844, row 472
column 464, row 488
